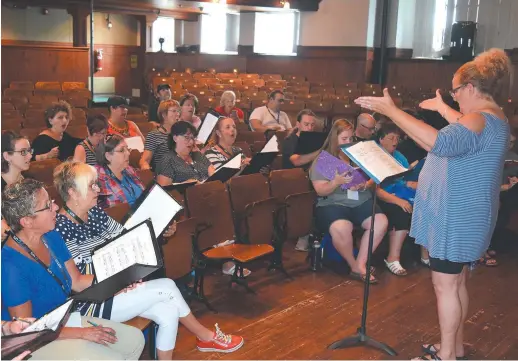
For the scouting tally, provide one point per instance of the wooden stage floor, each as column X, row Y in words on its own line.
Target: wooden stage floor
column 298, row 319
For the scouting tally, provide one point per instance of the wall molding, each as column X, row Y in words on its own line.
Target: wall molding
column 41, row 45
column 307, row 52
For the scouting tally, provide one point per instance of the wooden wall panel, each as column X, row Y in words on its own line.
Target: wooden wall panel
column 43, row 62
column 117, row 64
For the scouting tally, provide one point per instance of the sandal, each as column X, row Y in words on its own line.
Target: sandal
column 425, row 262
column 396, row 268
column 363, row 277
column 431, row 357
column 431, row 350
column 488, row 261
column 230, row 271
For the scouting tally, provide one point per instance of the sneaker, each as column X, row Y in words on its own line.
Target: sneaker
column 220, row 343
column 302, row 244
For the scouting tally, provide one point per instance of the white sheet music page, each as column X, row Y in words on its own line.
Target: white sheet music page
column 206, row 128
column 135, row 143
column 158, row 206
column 374, row 160
column 272, row 146
column 51, row 320
column 133, row 247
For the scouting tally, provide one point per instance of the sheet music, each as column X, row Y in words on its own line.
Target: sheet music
column 51, row 320
column 127, row 250
column 158, row 206
column 135, row 143
column 234, row 163
column 374, row 160
column 272, row 145
column 206, row 128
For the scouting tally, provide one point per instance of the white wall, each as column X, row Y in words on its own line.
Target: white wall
column 336, row 23
column 32, row 25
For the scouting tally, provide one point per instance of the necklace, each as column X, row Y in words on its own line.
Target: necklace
column 124, row 130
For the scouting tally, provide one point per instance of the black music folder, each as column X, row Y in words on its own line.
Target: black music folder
column 156, row 204
column 227, row 170
column 121, row 261
column 180, row 187
column 264, row 158
column 42, row 332
column 310, row 142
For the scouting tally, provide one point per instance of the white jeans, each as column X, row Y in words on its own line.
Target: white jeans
column 157, row 300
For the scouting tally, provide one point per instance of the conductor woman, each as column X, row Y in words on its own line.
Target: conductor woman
column 456, row 203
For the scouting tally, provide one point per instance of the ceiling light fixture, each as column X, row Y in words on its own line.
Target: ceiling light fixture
column 285, row 4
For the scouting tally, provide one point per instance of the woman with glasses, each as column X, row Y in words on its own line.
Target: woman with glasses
column 155, row 146
column 456, row 203
column 85, row 151
column 395, row 199
column 339, row 210
column 85, row 226
column 189, row 104
column 183, row 162
column 39, row 274
column 16, row 158
column 55, row 142
column 118, row 181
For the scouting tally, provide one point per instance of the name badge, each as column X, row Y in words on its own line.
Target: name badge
column 353, row 195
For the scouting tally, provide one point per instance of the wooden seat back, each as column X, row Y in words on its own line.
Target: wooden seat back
column 118, row 211
column 177, row 250
column 42, row 170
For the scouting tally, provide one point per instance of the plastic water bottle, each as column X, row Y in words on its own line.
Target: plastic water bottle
column 316, row 257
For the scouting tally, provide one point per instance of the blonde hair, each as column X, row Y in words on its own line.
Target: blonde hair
column 226, row 94
column 164, row 106
column 488, row 72
column 214, row 139
column 331, row 143
column 73, row 174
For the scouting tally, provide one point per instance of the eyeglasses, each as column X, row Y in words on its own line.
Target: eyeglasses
column 188, row 137
column 24, row 152
column 178, row 111
column 48, row 205
column 95, row 187
column 454, row 91
column 280, row 100
column 370, row 129
column 394, row 139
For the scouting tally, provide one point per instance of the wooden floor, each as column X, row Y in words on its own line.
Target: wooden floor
column 299, row 318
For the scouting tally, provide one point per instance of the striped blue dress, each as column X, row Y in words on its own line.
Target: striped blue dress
column 456, row 203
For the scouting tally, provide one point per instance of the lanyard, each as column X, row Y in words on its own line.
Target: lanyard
column 130, row 190
column 89, row 145
column 52, row 257
column 273, row 116
column 224, row 151
column 73, row 215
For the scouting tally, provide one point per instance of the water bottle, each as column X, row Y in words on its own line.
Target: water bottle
column 316, row 256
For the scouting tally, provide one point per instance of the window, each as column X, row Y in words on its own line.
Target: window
column 163, row 28
column 276, row 33
column 440, row 23
column 214, row 33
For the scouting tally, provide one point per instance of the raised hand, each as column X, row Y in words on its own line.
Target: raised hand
column 382, row 105
column 435, row 104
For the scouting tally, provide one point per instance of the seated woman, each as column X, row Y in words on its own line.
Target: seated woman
column 222, row 146
column 55, row 142
column 155, row 146
column 183, row 162
column 118, row 181
column 227, row 107
column 84, row 226
column 16, row 158
column 38, row 275
column 338, row 211
column 189, row 104
column 395, row 199
column 118, row 124
column 85, row 151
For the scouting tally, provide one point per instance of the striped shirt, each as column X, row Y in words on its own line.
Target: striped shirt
column 156, row 143
column 456, row 203
column 90, row 155
column 81, row 239
column 218, row 158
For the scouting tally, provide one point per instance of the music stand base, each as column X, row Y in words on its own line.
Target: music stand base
column 361, row 339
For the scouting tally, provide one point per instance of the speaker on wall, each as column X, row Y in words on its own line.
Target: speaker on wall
column 462, row 45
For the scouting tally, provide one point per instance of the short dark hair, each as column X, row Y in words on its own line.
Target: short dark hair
column 54, row 109
column 96, row 123
column 9, row 139
column 189, row 96
column 179, row 128
column 386, row 128
column 305, row 112
column 19, row 201
column 274, row 93
column 111, row 142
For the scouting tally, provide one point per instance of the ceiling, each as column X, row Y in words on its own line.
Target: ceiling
column 170, row 7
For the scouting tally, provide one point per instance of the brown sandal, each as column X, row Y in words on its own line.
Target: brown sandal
column 363, row 277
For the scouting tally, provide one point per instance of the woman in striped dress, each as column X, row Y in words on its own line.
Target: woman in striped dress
column 85, row 151
column 457, row 198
